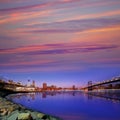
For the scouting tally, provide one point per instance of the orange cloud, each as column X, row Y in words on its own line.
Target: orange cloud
column 99, row 35
column 113, row 28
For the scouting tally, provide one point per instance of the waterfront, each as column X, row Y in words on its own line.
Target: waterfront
column 71, row 105
column 12, row 111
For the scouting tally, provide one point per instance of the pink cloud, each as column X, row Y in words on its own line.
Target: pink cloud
column 57, row 49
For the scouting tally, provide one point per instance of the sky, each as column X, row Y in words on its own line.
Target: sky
column 60, row 42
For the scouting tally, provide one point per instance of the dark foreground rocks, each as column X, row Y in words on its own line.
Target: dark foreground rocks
column 12, row 111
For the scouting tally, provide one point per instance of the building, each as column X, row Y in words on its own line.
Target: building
column 44, row 86
column 28, row 84
column 73, row 87
column 26, row 89
column 33, row 83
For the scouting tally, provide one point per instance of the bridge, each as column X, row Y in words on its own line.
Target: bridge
column 112, row 84
column 10, row 85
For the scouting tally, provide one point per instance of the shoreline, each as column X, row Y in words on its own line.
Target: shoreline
column 12, row 111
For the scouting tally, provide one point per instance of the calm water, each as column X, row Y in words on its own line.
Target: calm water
column 70, row 105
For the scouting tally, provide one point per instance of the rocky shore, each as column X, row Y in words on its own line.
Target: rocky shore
column 12, row 111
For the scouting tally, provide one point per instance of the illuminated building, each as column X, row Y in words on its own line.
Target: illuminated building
column 33, row 83
column 44, row 86
column 73, row 87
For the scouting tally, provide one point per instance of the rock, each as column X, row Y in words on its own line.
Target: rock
column 52, row 118
column 24, row 116
column 40, row 115
column 13, row 115
column 3, row 112
column 12, row 111
column 34, row 115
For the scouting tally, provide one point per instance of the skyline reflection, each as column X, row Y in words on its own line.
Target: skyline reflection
column 69, row 105
column 115, row 97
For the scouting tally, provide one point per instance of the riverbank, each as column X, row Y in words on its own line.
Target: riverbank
column 12, row 111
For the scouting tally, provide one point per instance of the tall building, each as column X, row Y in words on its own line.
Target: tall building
column 73, row 87
column 44, row 86
column 28, row 84
column 33, row 83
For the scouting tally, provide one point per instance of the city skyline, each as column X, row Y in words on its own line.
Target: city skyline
column 61, row 42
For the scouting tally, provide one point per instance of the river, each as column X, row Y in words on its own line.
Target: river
column 71, row 105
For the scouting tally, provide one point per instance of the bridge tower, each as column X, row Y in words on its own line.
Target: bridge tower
column 90, row 86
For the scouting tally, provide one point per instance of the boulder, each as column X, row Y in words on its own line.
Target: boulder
column 24, row 116
column 40, row 115
column 3, row 112
column 13, row 115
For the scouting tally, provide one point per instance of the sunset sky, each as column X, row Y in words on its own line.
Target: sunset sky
column 61, row 42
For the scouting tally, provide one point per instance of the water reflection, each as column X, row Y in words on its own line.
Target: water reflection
column 115, row 97
column 73, row 105
column 44, row 95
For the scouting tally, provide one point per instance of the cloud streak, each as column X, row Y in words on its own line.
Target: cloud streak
column 72, row 26
column 80, row 36
column 47, row 4
column 56, row 49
